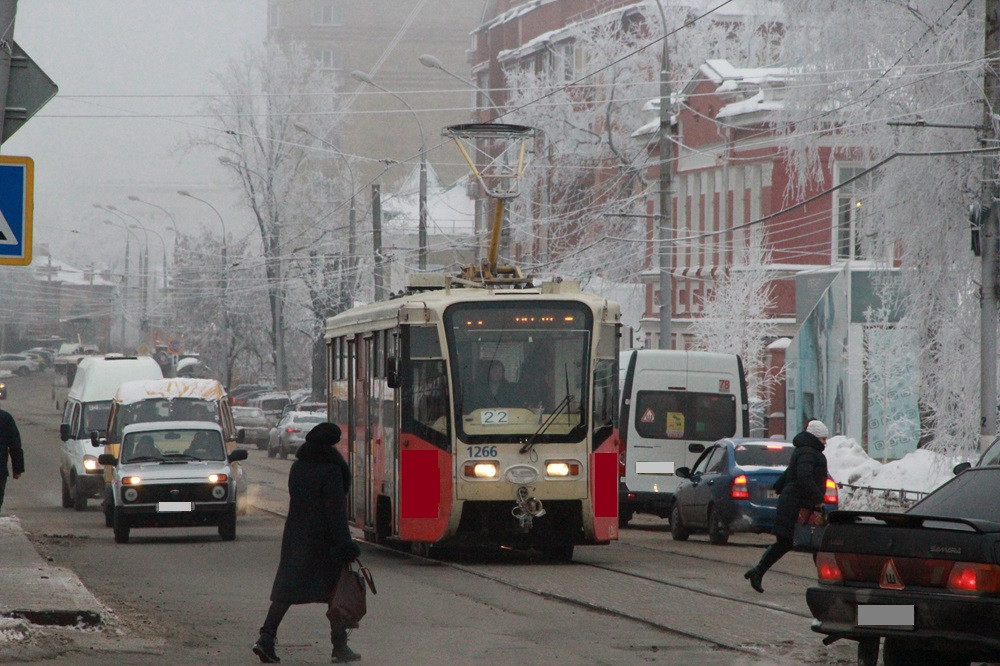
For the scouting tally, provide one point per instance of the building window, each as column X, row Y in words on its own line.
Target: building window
column 326, row 14
column 563, row 62
column 326, row 59
column 273, row 15
column 853, row 237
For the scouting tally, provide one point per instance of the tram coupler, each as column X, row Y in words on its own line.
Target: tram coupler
column 526, row 509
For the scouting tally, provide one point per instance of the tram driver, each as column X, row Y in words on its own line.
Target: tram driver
column 494, row 390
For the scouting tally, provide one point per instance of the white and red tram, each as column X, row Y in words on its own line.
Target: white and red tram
column 480, row 416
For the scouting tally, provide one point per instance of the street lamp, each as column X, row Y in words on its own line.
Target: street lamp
column 358, row 75
column 664, row 226
column 351, row 228
column 145, row 265
column 132, row 197
column 125, row 272
column 427, row 60
column 225, row 279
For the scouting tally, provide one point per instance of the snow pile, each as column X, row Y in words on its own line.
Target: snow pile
column 13, row 630
column 905, row 480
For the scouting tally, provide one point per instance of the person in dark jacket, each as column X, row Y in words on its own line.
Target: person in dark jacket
column 316, row 543
column 10, row 446
column 801, row 486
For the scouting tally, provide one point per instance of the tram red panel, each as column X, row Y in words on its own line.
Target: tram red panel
column 420, row 484
column 605, row 484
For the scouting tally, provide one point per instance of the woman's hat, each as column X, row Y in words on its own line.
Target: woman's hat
column 324, row 433
column 815, row 428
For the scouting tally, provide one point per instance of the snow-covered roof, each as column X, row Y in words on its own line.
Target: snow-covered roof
column 511, row 14
column 50, row 269
column 561, row 34
column 450, row 210
column 178, row 387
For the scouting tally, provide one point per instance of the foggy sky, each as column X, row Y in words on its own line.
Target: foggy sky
column 126, row 47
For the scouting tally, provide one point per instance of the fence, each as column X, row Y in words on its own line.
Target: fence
column 866, row 498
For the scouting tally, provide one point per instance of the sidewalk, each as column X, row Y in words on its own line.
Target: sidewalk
column 34, row 590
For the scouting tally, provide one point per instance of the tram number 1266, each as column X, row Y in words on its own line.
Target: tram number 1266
column 482, row 451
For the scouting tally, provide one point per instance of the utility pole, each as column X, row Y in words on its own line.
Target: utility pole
column 125, row 291
column 422, row 223
column 377, row 240
column 8, row 10
column 664, row 234
column 988, row 235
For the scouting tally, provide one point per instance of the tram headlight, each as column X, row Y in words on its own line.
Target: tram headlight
column 482, row 470
column 562, row 468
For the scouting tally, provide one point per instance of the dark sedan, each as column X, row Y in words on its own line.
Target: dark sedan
column 255, row 425
column 927, row 581
column 729, row 489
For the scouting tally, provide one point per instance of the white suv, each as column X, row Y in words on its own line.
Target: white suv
column 174, row 474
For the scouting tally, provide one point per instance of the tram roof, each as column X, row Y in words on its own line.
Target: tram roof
column 430, row 304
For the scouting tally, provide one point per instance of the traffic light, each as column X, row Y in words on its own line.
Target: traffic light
column 978, row 216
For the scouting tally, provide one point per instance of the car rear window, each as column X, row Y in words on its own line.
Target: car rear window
column 309, row 419
column 972, row 494
column 685, row 415
column 763, row 455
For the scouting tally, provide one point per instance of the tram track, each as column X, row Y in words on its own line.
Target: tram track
column 679, row 553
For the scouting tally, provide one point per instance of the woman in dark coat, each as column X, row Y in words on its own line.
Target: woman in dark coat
column 802, row 487
column 316, row 543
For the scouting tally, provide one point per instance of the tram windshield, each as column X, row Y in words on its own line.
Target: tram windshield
column 520, row 368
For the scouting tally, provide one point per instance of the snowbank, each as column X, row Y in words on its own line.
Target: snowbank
column 918, row 472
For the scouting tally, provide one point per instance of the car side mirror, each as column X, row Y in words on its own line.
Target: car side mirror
column 107, row 459
column 64, row 433
column 237, row 455
column 241, row 435
column 961, row 467
column 392, row 372
column 696, row 448
column 683, row 472
column 96, row 439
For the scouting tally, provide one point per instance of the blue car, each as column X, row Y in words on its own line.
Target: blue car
column 729, row 489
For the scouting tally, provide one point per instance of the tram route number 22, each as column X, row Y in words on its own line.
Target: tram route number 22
column 493, row 417
column 482, row 451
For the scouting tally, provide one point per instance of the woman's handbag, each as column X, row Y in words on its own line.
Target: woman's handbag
column 348, row 604
column 809, row 530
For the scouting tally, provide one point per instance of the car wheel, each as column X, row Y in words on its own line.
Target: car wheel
column 261, row 445
column 718, row 531
column 122, row 528
column 67, row 499
column 109, row 508
column 24, row 371
column 270, row 452
column 80, row 497
column 227, row 528
column 623, row 519
column 282, row 452
column 868, row 649
column 677, row 529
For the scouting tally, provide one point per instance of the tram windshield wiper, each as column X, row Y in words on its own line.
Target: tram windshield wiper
column 563, row 404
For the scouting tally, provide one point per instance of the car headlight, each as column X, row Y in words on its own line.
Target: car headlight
column 90, row 463
column 132, row 480
column 130, row 494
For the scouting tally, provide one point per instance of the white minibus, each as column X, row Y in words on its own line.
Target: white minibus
column 674, row 404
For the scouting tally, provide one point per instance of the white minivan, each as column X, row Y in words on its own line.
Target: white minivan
column 87, row 407
column 674, row 404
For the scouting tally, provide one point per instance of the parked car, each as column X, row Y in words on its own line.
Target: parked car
column 240, row 393
column 729, row 489
column 927, row 580
column 254, row 423
column 306, row 406
column 41, row 359
column 991, row 456
column 49, row 355
column 19, row 364
column 174, row 474
column 290, row 433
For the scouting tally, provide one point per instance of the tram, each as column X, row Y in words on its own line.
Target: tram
column 480, row 415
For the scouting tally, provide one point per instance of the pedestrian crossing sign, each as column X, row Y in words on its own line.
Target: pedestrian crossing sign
column 17, row 176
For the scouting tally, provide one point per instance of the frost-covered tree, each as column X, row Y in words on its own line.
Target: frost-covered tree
column 863, row 64
column 265, row 93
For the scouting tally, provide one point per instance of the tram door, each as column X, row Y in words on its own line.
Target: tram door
column 371, row 404
column 352, row 419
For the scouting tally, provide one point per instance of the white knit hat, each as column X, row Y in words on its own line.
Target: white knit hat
column 817, row 429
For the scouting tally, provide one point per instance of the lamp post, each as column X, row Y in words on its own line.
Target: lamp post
column 125, row 272
column 664, row 225
column 352, row 216
column 225, row 280
column 358, row 75
column 132, row 197
column 144, row 324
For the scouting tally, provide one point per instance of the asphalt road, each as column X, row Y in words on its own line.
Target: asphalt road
column 184, row 596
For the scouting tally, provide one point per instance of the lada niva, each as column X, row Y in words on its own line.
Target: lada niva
column 174, row 474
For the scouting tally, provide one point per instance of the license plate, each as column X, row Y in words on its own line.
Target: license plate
column 772, row 494
column 896, row 616
column 173, row 507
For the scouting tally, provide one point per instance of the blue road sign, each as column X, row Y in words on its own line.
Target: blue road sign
column 17, row 182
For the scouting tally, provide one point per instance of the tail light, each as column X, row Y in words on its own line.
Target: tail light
column 739, row 489
column 292, row 430
column 831, row 495
column 974, row 577
column 827, row 568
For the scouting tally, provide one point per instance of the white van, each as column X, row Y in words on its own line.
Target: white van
column 674, row 404
column 94, row 386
